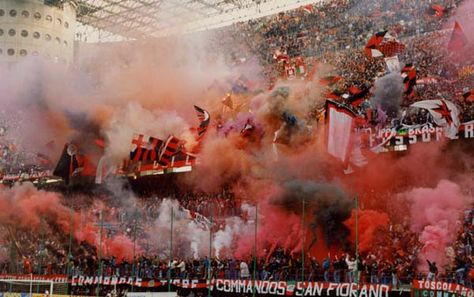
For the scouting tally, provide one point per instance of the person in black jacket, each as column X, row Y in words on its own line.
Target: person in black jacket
column 433, row 270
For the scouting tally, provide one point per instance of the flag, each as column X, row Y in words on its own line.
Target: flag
column 371, row 48
column 340, row 121
column 380, row 45
column 444, row 113
column 409, row 79
column 329, row 80
column 435, row 10
column 393, row 64
column 227, row 101
column 170, row 148
column 391, row 47
column 67, row 163
column 308, row 8
column 458, row 39
column 101, row 171
column 357, row 95
column 247, row 130
column 334, row 95
column 469, row 96
column 204, row 118
column 300, row 66
column 145, row 150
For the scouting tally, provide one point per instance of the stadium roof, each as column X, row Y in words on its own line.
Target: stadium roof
column 135, row 19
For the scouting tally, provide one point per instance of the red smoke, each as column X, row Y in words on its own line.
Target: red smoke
column 435, row 215
column 370, row 221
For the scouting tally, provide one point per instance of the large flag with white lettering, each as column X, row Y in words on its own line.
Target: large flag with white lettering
column 340, row 120
column 445, row 114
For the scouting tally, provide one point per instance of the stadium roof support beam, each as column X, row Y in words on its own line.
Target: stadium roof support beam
column 133, row 19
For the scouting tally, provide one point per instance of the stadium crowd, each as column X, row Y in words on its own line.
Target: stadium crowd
column 396, row 264
column 336, row 32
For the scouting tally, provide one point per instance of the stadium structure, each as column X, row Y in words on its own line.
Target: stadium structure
column 53, row 28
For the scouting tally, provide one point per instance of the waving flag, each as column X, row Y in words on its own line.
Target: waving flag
column 247, row 130
column 381, row 46
column 227, row 101
column 308, row 8
column 300, row 66
column 391, row 47
column 340, row 120
column 67, row 163
column 409, row 79
column 458, row 39
column 445, row 114
column 435, row 10
column 204, row 117
column 170, row 148
column 145, row 150
column 357, row 95
column 372, row 46
column 329, row 80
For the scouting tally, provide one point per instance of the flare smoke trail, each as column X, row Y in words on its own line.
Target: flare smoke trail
column 436, row 216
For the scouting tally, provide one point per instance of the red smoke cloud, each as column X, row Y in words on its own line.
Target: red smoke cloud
column 435, row 216
column 370, row 221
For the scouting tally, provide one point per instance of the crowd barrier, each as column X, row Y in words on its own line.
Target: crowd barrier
column 137, row 287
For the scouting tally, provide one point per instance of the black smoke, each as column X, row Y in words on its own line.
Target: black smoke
column 389, row 94
column 329, row 205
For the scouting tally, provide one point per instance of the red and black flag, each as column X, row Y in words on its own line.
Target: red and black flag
column 145, row 150
column 334, row 95
column 170, row 148
column 357, row 95
column 435, row 11
column 391, row 48
column 329, row 80
column 372, row 46
column 409, row 79
column 248, row 129
column 469, row 96
column 205, row 119
column 458, row 39
column 67, row 163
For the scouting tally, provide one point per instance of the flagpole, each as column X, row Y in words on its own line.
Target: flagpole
column 100, row 252
column 69, row 255
column 171, row 250
column 303, row 241
column 357, row 237
column 134, row 246
column 209, row 271
column 255, row 251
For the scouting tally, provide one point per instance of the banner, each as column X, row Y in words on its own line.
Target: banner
column 57, row 278
column 340, row 126
column 136, row 282
column 301, row 289
column 422, row 288
column 226, row 286
column 391, row 139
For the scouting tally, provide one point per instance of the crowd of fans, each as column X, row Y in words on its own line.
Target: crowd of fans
column 336, row 32
column 50, row 251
